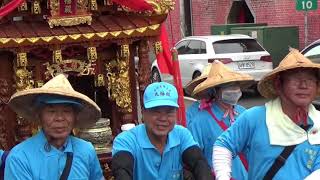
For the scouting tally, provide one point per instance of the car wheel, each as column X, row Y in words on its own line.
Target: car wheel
column 155, row 75
column 196, row 74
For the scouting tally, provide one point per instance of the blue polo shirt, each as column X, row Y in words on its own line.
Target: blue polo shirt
column 250, row 132
column 148, row 162
column 206, row 130
column 30, row 160
column 1, row 153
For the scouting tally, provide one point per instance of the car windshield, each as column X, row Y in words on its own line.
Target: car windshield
column 314, row 53
column 236, row 46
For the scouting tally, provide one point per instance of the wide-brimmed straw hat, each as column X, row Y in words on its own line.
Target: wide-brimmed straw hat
column 219, row 75
column 195, row 82
column 25, row 105
column 292, row 61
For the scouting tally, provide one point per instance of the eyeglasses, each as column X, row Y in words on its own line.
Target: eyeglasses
column 297, row 82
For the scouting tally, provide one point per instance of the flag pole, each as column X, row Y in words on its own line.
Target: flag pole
column 181, row 115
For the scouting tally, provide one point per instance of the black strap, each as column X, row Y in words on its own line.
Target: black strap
column 67, row 167
column 279, row 162
column 281, row 159
column 3, row 164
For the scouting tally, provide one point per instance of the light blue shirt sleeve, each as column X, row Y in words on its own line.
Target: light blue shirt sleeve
column 1, row 153
column 95, row 168
column 237, row 137
column 186, row 139
column 124, row 142
column 17, row 167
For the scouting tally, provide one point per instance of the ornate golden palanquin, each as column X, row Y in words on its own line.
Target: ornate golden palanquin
column 94, row 42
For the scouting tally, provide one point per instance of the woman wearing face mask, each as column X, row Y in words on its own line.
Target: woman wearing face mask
column 218, row 93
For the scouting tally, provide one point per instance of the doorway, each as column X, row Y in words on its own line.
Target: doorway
column 240, row 13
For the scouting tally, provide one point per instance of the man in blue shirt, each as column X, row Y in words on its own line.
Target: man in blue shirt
column 159, row 148
column 53, row 153
column 217, row 109
column 287, row 124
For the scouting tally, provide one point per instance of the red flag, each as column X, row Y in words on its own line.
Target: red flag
column 12, row 5
column 170, row 65
column 137, row 5
column 164, row 58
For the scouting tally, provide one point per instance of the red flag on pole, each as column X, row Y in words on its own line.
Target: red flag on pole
column 170, row 65
column 164, row 58
column 12, row 5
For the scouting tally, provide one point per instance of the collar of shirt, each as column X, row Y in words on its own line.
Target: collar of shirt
column 145, row 142
column 67, row 146
column 283, row 131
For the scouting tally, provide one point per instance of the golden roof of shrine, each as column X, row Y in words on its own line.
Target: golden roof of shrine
column 24, row 33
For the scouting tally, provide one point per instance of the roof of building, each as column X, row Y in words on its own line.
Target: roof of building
column 21, row 33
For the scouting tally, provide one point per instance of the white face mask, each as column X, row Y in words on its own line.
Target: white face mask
column 231, row 96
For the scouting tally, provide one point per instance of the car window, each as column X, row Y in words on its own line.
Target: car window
column 236, row 46
column 193, row 47
column 314, row 54
column 181, row 47
column 203, row 49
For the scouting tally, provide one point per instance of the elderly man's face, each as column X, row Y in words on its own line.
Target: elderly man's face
column 57, row 120
column 299, row 86
column 160, row 121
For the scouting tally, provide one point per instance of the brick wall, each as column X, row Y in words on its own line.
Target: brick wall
column 274, row 12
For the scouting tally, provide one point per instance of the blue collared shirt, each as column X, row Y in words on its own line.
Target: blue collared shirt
column 1, row 153
column 148, row 162
column 32, row 159
column 205, row 130
column 250, row 132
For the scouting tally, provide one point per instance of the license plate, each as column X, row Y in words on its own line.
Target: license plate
column 246, row 65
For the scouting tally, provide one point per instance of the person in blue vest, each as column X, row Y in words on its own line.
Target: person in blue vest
column 281, row 138
column 158, row 149
column 218, row 92
column 53, row 153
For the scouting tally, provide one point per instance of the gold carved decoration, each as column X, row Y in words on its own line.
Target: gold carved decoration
column 57, row 56
column 38, row 84
column 93, row 5
column 80, row 16
column 162, row 6
column 99, row 81
column 86, row 36
column 23, row 79
column 22, row 60
column 92, row 54
column 158, row 47
column 70, row 21
column 70, row 65
column 118, row 81
column 124, row 52
column 36, row 8
column 23, row 6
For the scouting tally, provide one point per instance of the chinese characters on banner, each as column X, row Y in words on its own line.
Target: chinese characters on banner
column 68, row 7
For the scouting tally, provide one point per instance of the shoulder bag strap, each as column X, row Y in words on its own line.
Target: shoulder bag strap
column 67, row 167
column 279, row 162
column 224, row 127
column 281, row 159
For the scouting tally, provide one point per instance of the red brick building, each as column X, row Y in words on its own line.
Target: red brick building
column 195, row 17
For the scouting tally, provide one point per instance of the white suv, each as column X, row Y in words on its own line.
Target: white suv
column 240, row 53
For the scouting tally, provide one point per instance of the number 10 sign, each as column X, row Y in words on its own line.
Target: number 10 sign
column 306, row 5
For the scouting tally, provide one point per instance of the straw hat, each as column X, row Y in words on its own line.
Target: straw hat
column 292, row 61
column 219, row 75
column 23, row 102
column 192, row 84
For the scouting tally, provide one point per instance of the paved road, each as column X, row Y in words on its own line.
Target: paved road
column 250, row 99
